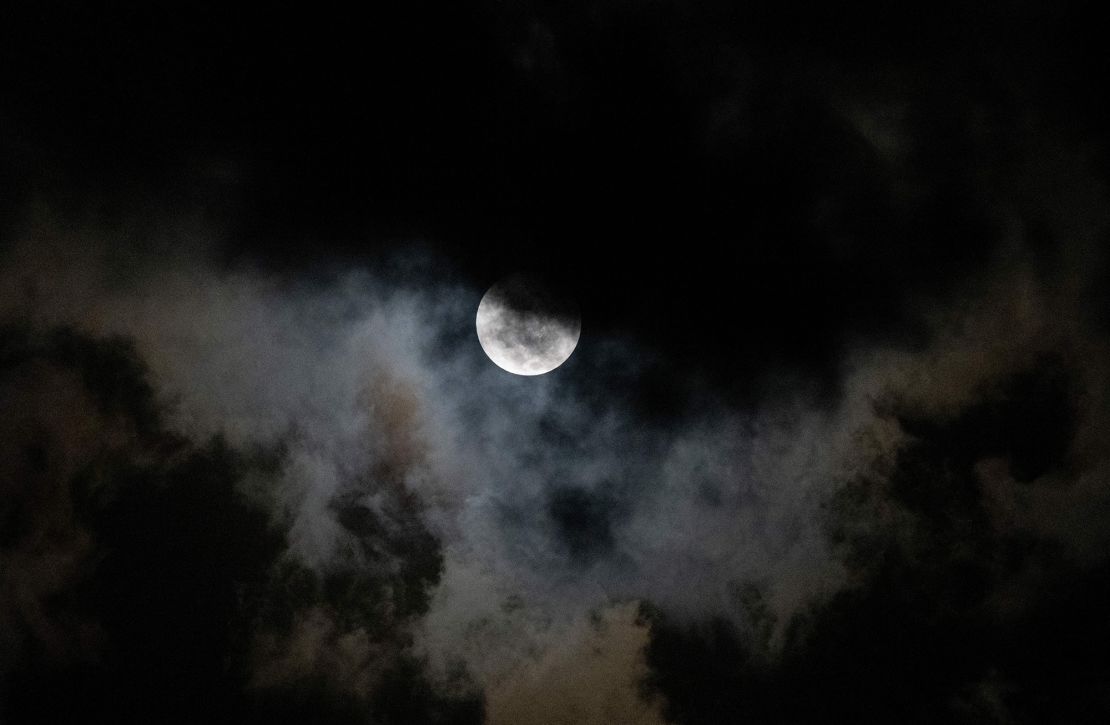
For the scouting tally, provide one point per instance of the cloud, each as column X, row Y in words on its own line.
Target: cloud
column 967, row 519
column 588, row 674
column 403, row 468
column 70, row 409
column 453, row 526
column 137, row 557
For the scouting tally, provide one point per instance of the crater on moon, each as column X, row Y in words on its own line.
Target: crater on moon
column 526, row 327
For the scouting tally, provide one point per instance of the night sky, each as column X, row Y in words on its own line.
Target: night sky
column 833, row 447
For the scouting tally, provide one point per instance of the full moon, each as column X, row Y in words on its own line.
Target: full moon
column 525, row 327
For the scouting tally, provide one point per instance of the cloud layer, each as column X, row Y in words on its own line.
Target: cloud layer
column 420, row 516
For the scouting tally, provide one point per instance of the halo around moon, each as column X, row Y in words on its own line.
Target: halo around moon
column 526, row 327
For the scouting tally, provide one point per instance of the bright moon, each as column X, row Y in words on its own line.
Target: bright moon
column 526, row 328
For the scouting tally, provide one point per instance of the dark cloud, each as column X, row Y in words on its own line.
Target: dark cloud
column 142, row 582
column 439, row 518
column 959, row 613
column 583, row 521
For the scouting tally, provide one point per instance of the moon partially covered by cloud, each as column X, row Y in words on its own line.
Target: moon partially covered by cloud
column 527, row 328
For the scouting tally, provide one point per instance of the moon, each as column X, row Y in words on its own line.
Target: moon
column 527, row 328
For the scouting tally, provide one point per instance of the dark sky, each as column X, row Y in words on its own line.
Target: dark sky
column 832, row 447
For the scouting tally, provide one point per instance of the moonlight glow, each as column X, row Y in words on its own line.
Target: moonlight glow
column 525, row 328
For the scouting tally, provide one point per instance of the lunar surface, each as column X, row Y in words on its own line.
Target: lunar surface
column 527, row 328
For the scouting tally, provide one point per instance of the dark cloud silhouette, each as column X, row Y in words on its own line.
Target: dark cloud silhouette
column 141, row 581
column 958, row 614
column 583, row 521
